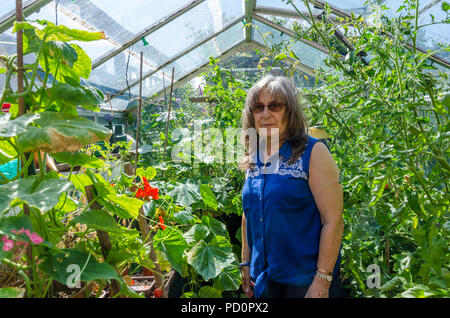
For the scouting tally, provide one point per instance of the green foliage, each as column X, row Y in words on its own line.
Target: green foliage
column 388, row 120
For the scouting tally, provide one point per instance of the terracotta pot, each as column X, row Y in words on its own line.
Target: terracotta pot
column 146, row 272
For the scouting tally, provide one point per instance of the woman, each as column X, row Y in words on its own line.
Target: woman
column 292, row 224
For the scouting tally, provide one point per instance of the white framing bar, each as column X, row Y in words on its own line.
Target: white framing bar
column 290, row 33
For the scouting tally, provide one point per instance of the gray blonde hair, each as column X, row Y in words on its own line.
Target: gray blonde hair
column 283, row 91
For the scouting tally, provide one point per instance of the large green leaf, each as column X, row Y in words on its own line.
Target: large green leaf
column 229, row 279
column 83, row 66
column 57, row 32
column 80, row 181
column 210, row 259
column 58, row 52
column 41, row 194
column 215, row 226
column 99, row 220
column 171, row 242
column 78, row 159
column 149, row 173
column 106, row 192
column 72, row 96
column 184, row 217
column 59, row 132
column 196, row 233
column 209, row 292
column 7, row 151
column 11, row 128
column 12, row 292
column 185, row 194
column 15, row 222
column 67, row 62
column 208, row 196
column 61, row 267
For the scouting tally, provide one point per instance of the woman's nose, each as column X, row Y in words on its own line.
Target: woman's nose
column 265, row 113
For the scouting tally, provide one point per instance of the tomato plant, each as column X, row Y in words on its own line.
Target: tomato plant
column 385, row 104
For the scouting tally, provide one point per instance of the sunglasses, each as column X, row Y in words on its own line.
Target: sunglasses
column 273, row 107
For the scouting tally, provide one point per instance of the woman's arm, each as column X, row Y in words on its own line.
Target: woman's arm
column 245, row 254
column 328, row 195
column 50, row 162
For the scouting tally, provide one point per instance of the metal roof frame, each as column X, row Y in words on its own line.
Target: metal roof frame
column 154, row 27
column 182, row 53
column 251, row 11
column 242, row 46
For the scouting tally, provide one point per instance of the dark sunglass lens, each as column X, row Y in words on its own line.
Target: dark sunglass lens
column 274, row 107
column 258, row 108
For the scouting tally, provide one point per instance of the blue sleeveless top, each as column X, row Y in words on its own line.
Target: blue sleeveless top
column 283, row 222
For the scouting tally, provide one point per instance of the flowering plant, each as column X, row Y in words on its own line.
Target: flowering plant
column 147, row 192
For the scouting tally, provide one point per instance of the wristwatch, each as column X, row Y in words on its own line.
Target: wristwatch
column 324, row 275
column 243, row 264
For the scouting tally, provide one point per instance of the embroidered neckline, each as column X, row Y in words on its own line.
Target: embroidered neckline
column 295, row 170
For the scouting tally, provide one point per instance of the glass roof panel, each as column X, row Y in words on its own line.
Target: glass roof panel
column 435, row 36
column 122, row 20
column 193, row 60
column 8, row 7
column 431, row 37
column 308, row 55
column 280, row 4
column 92, row 49
column 203, row 20
column 113, row 73
column 360, row 7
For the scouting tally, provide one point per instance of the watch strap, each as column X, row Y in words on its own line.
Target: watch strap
column 326, row 277
column 244, row 264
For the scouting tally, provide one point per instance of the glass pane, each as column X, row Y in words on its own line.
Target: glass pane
column 193, row 60
column 203, row 20
column 437, row 36
column 308, row 55
column 114, row 73
column 93, row 49
column 122, row 20
column 8, row 7
column 280, row 4
column 359, row 6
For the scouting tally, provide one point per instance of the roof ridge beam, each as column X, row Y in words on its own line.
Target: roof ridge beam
column 250, row 6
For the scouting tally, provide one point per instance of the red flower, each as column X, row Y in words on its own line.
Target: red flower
column 157, row 293
column 148, row 191
column 161, row 223
column 6, row 107
column 140, row 193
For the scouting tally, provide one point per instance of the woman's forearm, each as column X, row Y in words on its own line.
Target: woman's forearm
column 245, row 254
column 330, row 243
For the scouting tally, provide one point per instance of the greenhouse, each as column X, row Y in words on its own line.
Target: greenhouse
column 132, row 137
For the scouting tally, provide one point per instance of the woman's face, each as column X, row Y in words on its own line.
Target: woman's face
column 269, row 119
